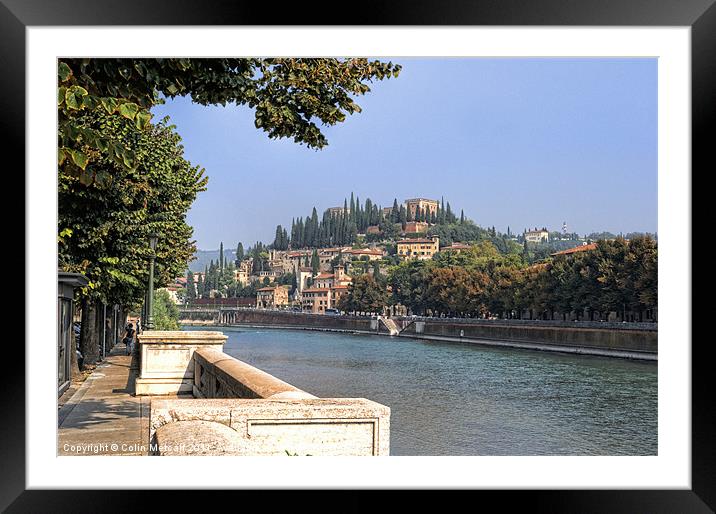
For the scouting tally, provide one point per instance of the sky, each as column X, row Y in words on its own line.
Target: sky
column 517, row 143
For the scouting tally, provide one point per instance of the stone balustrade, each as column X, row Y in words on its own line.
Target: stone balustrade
column 218, row 375
column 238, row 409
column 166, row 360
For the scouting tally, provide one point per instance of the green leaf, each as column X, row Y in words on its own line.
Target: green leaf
column 109, row 104
column 89, row 101
column 61, row 95
column 127, row 158
column 172, row 89
column 102, row 145
column 86, row 177
column 74, row 96
column 63, row 71
column 129, row 110
column 61, row 156
column 79, row 158
column 142, row 120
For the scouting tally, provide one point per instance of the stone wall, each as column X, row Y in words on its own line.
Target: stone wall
column 317, row 427
column 238, row 409
column 270, row 318
column 633, row 340
column 588, row 336
column 218, row 375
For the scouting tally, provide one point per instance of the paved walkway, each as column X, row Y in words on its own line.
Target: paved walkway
column 104, row 417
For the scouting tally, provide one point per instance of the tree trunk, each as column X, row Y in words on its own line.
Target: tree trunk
column 89, row 344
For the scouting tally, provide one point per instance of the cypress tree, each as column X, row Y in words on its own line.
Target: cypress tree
column 315, row 262
column 221, row 255
column 200, row 287
column 190, row 287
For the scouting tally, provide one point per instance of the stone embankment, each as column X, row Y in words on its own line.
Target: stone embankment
column 625, row 340
column 236, row 409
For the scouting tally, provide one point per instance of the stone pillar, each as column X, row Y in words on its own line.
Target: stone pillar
column 166, row 359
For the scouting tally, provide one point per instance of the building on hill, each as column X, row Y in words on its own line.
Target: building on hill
column 415, row 227
column 316, row 299
column 271, row 297
column 371, row 253
column 456, row 247
column 425, row 204
column 537, row 235
column 421, row 249
column 336, row 211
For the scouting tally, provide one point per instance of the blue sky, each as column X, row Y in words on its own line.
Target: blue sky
column 513, row 142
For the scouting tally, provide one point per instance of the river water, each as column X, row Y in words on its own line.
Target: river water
column 465, row 399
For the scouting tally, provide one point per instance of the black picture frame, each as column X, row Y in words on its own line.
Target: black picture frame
column 700, row 15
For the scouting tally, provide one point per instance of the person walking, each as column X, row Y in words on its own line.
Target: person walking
column 128, row 337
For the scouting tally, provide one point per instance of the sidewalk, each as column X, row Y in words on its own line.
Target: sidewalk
column 103, row 417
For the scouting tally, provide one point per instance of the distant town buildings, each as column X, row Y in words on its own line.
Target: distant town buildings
column 271, row 297
column 421, row 249
column 537, row 235
column 424, row 204
column 414, row 227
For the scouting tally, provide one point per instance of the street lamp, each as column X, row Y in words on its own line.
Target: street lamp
column 153, row 237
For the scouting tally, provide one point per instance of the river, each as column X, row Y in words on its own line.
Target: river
column 465, row 399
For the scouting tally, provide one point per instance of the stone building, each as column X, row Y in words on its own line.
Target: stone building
column 271, row 297
column 414, row 227
column 537, row 235
column 421, row 249
column 425, row 205
column 316, row 299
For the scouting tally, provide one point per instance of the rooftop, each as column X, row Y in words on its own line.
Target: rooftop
column 413, row 241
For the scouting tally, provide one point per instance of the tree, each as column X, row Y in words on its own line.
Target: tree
column 190, row 287
column 315, row 262
column 290, row 96
column 164, row 311
column 365, row 294
column 239, row 254
column 104, row 228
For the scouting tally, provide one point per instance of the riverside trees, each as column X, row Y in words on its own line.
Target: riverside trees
column 617, row 276
column 121, row 176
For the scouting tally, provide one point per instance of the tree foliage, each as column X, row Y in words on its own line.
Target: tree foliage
column 617, row 276
column 104, row 230
column 290, row 98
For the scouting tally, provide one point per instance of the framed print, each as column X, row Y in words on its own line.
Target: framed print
column 648, row 444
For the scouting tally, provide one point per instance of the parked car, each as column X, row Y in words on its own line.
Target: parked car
column 333, row 312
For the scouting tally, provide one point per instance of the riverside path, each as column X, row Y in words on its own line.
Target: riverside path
column 104, row 417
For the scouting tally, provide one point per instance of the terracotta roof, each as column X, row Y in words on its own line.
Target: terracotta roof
column 413, row 241
column 581, row 248
column 339, row 287
column 316, row 290
column 267, row 289
column 367, row 251
column 324, row 275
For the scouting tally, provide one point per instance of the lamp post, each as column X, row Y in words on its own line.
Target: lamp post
column 153, row 237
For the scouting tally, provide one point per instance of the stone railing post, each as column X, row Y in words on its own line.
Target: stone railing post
column 166, row 360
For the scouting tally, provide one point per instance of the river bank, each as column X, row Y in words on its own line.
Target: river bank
column 638, row 342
